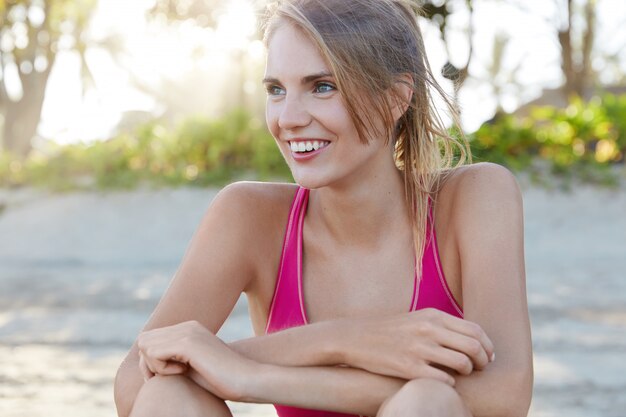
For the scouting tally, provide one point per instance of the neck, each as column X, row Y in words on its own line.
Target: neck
column 362, row 211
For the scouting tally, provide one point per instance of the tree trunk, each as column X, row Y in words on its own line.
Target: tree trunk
column 578, row 75
column 567, row 59
column 586, row 71
column 21, row 118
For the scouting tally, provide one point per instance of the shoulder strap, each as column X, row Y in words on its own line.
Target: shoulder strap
column 286, row 309
column 433, row 290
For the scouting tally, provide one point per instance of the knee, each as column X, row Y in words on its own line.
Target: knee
column 174, row 396
column 424, row 398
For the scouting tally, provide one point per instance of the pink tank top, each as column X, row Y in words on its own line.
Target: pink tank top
column 287, row 307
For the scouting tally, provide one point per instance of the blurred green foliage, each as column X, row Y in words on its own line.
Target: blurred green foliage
column 584, row 141
column 198, row 151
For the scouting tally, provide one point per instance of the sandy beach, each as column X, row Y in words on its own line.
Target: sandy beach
column 81, row 272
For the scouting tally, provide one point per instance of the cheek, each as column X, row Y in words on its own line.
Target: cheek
column 334, row 117
column 271, row 119
column 344, row 126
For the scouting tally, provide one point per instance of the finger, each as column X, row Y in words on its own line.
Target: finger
column 174, row 368
column 143, row 368
column 465, row 345
column 473, row 330
column 156, row 366
column 451, row 359
column 149, row 364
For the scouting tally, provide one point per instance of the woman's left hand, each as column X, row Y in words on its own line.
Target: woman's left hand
column 190, row 348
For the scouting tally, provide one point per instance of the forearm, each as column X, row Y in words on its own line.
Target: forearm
column 339, row 389
column 499, row 390
column 297, row 368
column 310, row 345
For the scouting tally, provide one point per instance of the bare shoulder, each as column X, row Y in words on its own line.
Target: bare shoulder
column 254, row 208
column 249, row 200
column 480, row 212
column 481, row 191
column 255, row 213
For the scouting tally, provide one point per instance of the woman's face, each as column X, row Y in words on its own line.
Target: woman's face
column 306, row 115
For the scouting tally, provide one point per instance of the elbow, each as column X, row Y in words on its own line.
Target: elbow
column 515, row 395
column 520, row 396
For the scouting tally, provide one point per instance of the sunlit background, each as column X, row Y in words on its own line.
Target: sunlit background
column 120, row 119
column 140, row 61
column 148, row 65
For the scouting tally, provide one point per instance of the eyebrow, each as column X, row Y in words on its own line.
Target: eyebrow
column 305, row 80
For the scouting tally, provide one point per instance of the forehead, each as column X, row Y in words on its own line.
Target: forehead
column 292, row 53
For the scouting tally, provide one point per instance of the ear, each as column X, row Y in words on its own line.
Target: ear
column 402, row 94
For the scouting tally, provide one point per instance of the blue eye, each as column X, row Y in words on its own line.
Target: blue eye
column 324, row 88
column 274, row 90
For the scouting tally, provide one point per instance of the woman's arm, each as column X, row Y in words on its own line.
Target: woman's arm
column 212, row 275
column 238, row 375
column 189, row 348
column 343, row 390
column 489, row 231
column 407, row 346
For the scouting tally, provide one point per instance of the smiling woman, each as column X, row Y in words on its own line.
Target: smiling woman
column 382, row 283
column 302, row 89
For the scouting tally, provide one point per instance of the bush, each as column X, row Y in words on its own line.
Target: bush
column 584, row 140
column 198, row 151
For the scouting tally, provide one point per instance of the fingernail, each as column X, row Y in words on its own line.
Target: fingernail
column 493, row 357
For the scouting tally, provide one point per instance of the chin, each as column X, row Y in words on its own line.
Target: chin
column 311, row 182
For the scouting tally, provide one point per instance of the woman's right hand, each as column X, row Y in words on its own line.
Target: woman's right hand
column 416, row 345
column 191, row 349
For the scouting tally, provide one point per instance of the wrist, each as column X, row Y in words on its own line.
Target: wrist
column 257, row 388
column 335, row 348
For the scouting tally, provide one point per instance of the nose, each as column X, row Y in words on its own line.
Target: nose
column 293, row 113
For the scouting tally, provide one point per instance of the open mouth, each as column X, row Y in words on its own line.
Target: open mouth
column 307, row 146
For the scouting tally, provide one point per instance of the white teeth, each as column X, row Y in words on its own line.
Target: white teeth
column 307, row 146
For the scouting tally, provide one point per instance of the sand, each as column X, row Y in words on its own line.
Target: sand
column 81, row 272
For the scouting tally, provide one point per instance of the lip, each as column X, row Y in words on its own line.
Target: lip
column 309, row 155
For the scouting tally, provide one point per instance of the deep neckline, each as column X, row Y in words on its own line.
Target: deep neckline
column 299, row 264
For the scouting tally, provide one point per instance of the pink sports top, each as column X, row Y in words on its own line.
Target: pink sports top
column 287, row 307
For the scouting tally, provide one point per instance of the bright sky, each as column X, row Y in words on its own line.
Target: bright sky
column 200, row 76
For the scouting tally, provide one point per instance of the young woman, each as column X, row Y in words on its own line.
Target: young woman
column 384, row 283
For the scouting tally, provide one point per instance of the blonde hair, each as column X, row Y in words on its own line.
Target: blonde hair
column 371, row 45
